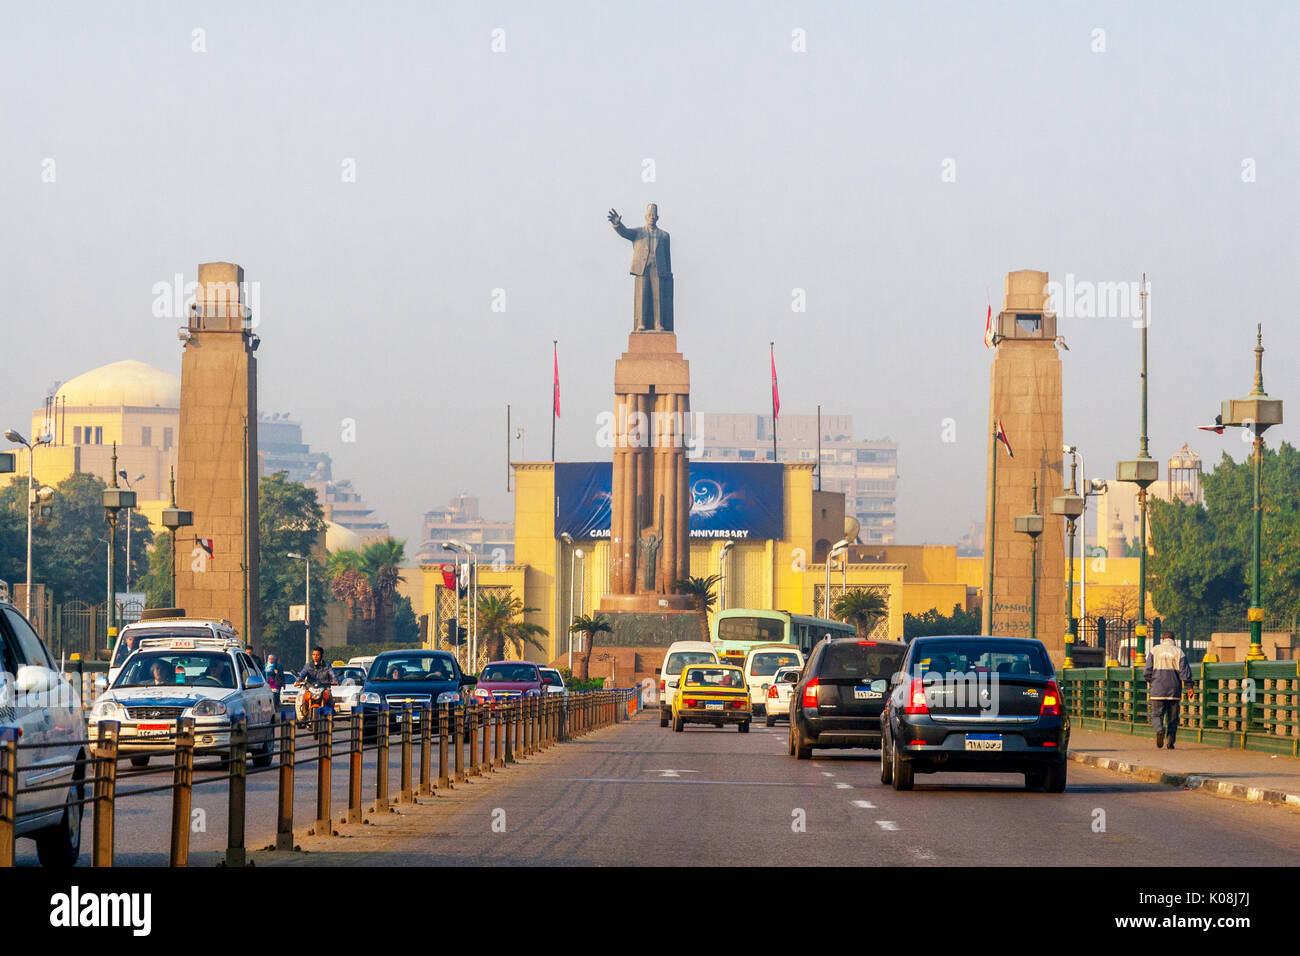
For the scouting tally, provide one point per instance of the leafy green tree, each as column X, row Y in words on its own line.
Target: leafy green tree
column 157, row 582
column 589, row 625
column 861, row 608
column 932, row 622
column 406, row 627
column 289, row 521
column 701, row 589
column 502, row 630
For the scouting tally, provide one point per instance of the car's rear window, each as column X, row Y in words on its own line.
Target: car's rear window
column 510, row 673
column 984, row 657
column 686, row 658
column 712, row 677
column 765, row 664
column 849, row 659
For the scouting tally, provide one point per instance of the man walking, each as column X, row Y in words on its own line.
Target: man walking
column 1167, row 674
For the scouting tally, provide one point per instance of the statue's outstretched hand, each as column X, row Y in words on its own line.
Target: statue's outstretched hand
column 614, row 218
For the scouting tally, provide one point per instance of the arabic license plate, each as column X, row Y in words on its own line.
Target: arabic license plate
column 152, row 730
column 714, row 705
column 983, row 741
column 866, row 693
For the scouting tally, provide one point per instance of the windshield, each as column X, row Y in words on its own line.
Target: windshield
column 553, row 678
column 433, row 667
column 752, row 630
column 354, row 674
column 984, row 656
column 765, row 664
column 178, row 668
column 853, row 661
column 512, row 673
column 686, row 658
column 712, row 677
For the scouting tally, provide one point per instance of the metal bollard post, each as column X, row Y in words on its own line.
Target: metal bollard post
column 426, row 750
column 527, row 705
column 182, row 792
column 8, row 793
column 405, row 795
column 458, row 742
column 498, row 720
column 444, row 731
column 354, row 768
column 284, row 823
column 324, row 777
column 105, row 752
column 471, row 731
column 381, row 760
column 508, row 718
column 236, row 801
column 485, row 750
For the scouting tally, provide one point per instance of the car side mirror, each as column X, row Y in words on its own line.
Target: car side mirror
column 254, row 681
column 468, row 680
column 34, row 679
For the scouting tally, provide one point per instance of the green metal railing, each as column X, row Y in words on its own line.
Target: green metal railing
column 1253, row 705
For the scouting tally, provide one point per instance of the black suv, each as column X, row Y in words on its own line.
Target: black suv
column 840, row 694
column 987, row 704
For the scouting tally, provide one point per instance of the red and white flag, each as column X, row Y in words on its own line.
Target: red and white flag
column 1001, row 435
column 988, row 328
column 776, row 394
column 555, row 381
column 206, row 545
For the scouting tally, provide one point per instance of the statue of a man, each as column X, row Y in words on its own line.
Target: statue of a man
column 652, row 300
column 649, row 556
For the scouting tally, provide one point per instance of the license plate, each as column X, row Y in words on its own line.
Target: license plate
column 983, row 741
column 714, row 706
column 152, row 730
column 866, row 693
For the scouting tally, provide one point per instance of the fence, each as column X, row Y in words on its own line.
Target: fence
column 1253, row 705
column 471, row 741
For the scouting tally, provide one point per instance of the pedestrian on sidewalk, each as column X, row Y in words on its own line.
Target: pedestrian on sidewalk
column 1167, row 674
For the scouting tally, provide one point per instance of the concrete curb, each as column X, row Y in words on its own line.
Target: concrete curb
column 1220, row 788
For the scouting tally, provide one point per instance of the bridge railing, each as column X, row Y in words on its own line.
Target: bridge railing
column 471, row 739
column 1253, row 705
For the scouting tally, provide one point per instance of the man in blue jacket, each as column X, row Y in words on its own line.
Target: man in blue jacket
column 1167, row 675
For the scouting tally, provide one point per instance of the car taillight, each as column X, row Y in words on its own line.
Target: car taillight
column 916, row 698
column 662, row 688
column 737, row 704
column 1051, row 701
column 771, row 691
column 810, row 693
column 866, row 643
column 690, row 702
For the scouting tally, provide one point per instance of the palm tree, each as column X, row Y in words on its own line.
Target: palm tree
column 589, row 625
column 701, row 589
column 501, row 630
column 860, row 608
column 382, row 561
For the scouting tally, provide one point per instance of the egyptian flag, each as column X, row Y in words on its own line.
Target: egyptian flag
column 988, row 329
column 555, row 380
column 206, row 545
column 1001, row 435
column 1217, row 427
column 776, row 394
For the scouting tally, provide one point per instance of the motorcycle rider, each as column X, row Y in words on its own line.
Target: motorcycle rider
column 316, row 672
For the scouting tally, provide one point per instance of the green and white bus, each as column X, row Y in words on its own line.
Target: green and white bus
column 735, row 630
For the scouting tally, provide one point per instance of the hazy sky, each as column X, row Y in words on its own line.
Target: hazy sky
column 774, row 169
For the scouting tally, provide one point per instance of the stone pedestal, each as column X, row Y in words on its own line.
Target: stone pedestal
column 651, row 494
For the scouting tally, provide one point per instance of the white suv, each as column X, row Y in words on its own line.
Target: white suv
column 761, row 662
column 680, row 654
column 42, row 706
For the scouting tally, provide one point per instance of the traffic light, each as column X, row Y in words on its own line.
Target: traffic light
column 455, row 634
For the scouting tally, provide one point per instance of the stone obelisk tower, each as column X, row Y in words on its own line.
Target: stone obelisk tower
column 217, row 455
column 1025, row 394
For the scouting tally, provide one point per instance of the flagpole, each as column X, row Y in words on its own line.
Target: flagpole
column 771, row 348
column 555, row 354
column 993, row 524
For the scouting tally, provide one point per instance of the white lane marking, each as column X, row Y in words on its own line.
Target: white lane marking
column 826, row 774
column 671, row 773
column 887, row 824
column 864, row 804
column 678, row 780
column 843, row 786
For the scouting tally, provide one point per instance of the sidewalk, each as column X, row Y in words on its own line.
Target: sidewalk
column 1237, row 774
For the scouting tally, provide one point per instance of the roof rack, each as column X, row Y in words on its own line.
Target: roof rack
column 188, row 643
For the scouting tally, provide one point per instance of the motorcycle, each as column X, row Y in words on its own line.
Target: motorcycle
column 317, row 703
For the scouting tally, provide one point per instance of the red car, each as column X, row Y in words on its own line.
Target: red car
column 509, row 680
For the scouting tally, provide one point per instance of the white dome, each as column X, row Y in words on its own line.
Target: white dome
column 128, row 383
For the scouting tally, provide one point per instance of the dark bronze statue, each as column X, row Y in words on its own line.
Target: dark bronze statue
column 652, row 299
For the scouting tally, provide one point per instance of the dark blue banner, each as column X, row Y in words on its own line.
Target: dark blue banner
column 728, row 499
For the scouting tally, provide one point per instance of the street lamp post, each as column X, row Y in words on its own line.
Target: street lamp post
column 130, row 484
column 471, row 610
column 1070, row 507
column 1032, row 525
column 580, row 555
column 1256, row 412
column 173, row 518
column 1142, row 471
column 573, row 561
column 31, row 447
column 840, row 547
column 115, row 500
column 307, row 645
column 722, row 572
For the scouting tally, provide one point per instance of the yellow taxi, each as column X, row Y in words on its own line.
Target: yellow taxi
column 712, row 694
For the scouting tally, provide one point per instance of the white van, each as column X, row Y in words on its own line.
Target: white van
column 680, row 654
column 761, row 663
